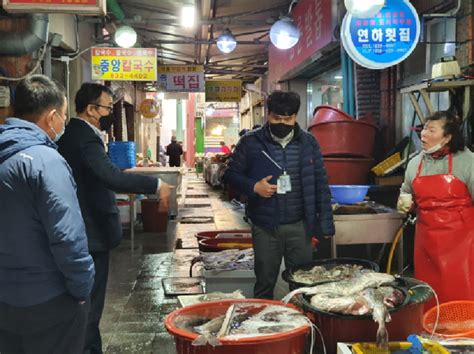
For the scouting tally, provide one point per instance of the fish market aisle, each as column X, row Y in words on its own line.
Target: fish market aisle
column 136, row 304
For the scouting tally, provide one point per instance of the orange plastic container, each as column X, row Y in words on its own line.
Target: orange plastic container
column 456, row 319
column 340, row 135
column 291, row 342
column 214, row 233
column 221, row 244
column 342, row 170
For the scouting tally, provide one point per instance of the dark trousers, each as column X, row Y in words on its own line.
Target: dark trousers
column 289, row 241
column 93, row 342
column 57, row 326
column 175, row 163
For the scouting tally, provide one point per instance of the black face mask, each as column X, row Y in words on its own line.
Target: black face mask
column 280, row 130
column 106, row 122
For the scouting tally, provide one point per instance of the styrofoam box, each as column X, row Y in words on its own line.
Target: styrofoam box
column 228, row 281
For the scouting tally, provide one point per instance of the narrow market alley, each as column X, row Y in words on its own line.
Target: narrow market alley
column 136, row 304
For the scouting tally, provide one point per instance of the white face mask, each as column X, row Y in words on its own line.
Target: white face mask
column 433, row 149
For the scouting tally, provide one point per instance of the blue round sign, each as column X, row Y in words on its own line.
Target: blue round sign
column 385, row 39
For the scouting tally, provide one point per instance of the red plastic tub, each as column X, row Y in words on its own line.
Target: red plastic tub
column 291, row 342
column 327, row 114
column 340, row 135
column 349, row 329
column 221, row 244
column 213, row 234
column 342, row 170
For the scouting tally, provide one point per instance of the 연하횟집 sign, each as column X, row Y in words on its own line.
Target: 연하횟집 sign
column 385, row 39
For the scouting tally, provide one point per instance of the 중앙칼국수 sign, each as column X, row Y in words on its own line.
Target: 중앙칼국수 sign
column 385, row 39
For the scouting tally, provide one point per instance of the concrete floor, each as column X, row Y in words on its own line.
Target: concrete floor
column 135, row 303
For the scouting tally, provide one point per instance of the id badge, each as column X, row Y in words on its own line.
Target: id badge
column 280, row 186
column 286, row 182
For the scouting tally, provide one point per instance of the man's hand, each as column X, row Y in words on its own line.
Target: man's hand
column 265, row 189
column 165, row 192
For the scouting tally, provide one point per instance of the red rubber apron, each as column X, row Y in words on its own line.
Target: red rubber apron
column 444, row 239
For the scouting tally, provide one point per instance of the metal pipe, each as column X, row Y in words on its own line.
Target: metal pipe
column 225, row 21
column 114, row 7
column 203, row 41
column 233, row 72
column 447, row 14
column 28, row 41
column 48, row 71
column 253, row 66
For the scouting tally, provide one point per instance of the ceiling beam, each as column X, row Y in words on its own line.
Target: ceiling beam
column 223, row 22
column 203, row 41
column 175, row 59
column 232, row 72
column 212, row 65
column 163, row 33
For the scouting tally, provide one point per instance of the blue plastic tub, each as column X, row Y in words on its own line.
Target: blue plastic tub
column 122, row 154
column 348, row 194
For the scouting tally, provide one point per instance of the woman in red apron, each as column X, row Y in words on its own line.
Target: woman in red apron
column 444, row 239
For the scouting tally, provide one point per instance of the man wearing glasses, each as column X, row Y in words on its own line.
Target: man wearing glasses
column 97, row 181
column 280, row 168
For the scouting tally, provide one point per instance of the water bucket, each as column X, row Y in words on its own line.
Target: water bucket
column 287, row 342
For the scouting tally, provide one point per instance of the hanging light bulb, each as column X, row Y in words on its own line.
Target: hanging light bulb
column 284, row 34
column 364, row 8
column 226, row 41
column 125, row 37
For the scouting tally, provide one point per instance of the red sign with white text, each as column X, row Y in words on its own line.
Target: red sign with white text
column 83, row 7
column 315, row 22
column 61, row 2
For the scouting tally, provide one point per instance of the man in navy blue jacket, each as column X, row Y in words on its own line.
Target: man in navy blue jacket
column 46, row 272
column 280, row 168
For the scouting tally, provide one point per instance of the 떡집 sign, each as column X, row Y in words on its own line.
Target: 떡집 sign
column 84, row 7
column 223, row 90
column 181, row 78
column 385, row 39
column 120, row 64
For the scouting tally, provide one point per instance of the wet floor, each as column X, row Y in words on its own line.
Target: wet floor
column 136, row 303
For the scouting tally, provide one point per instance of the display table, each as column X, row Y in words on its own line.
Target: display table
column 170, row 175
column 367, row 229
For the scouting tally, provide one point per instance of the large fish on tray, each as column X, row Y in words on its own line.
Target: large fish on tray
column 352, row 286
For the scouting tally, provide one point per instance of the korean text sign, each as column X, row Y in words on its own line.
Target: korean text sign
column 181, row 78
column 223, row 90
column 85, row 7
column 385, row 39
column 120, row 64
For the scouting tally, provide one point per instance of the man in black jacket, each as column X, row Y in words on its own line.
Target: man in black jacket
column 174, row 151
column 280, row 168
column 97, row 179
